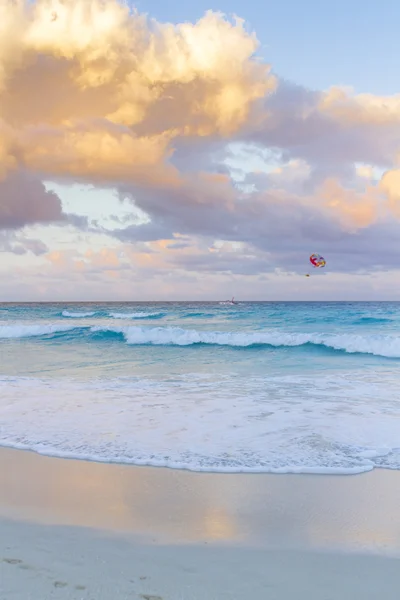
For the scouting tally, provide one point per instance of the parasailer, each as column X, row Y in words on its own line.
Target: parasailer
column 317, row 261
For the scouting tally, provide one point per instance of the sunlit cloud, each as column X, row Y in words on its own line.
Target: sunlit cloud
column 109, row 89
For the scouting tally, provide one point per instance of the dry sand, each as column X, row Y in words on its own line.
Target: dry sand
column 76, row 530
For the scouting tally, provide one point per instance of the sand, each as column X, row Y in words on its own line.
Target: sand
column 78, row 530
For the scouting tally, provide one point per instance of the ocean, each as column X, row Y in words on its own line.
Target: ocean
column 273, row 387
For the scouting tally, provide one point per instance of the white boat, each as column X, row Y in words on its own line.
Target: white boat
column 229, row 302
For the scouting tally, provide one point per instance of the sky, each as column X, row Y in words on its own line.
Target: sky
column 200, row 151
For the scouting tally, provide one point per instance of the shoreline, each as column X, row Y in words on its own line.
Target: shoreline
column 307, row 511
column 314, row 471
column 76, row 530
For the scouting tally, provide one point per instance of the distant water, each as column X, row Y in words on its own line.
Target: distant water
column 256, row 387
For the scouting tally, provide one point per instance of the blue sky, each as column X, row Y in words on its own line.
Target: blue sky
column 316, row 42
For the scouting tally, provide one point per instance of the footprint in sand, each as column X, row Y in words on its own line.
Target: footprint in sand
column 60, row 584
column 12, row 561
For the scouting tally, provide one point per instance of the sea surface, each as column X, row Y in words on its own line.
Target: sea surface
column 253, row 387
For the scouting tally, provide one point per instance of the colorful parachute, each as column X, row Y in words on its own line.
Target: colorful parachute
column 317, row 261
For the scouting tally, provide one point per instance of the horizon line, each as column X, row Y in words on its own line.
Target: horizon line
column 182, row 301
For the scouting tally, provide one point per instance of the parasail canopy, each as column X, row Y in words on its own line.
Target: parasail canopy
column 317, row 261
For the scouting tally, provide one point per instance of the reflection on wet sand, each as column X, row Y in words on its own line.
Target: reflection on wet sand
column 352, row 513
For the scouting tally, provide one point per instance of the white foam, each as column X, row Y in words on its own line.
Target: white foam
column 387, row 346
column 135, row 315
column 22, row 330
column 327, row 424
column 77, row 315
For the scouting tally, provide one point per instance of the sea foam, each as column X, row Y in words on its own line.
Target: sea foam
column 386, row 346
column 256, row 424
column 77, row 315
column 24, row 330
column 135, row 315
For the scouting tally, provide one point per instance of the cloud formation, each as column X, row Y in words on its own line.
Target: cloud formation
column 98, row 93
column 109, row 90
column 330, row 129
column 21, row 244
column 24, row 200
column 276, row 227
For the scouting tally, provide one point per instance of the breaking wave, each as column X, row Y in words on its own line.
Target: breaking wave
column 77, row 315
column 378, row 345
column 24, row 331
column 136, row 315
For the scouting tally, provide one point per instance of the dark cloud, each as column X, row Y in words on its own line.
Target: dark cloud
column 224, row 213
column 78, row 221
column 149, row 232
column 24, row 200
column 37, row 247
column 179, row 245
column 373, row 249
column 19, row 244
column 296, row 127
column 281, row 229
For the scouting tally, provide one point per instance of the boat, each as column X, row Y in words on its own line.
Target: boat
column 230, row 302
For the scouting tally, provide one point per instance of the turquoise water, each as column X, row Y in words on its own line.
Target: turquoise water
column 252, row 387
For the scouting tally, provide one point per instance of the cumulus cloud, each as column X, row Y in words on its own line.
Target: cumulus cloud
column 210, row 205
column 24, row 200
column 109, row 89
column 277, row 227
column 330, row 129
column 368, row 109
column 390, row 184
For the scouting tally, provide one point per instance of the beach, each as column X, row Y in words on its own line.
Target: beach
column 199, row 451
column 79, row 530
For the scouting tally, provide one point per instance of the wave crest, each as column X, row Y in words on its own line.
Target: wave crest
column 77, row 315
column 136, row 315
column 386, row 346
column 23, row 330
column 379, row 345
